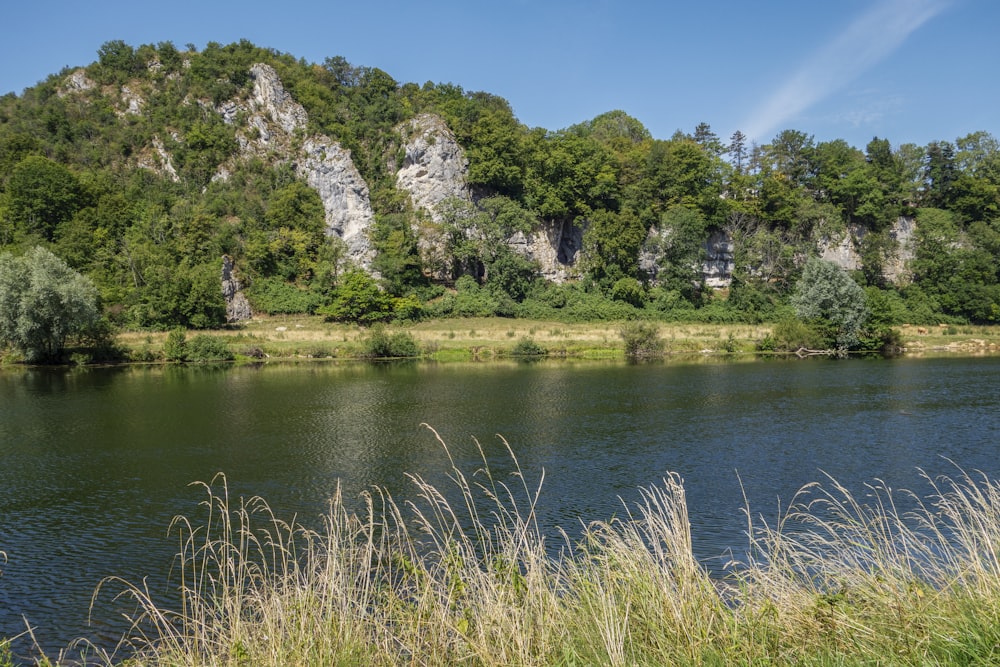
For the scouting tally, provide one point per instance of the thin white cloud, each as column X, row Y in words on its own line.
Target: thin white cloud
column 867, row 41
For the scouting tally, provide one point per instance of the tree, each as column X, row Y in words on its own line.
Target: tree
column 41, row 195
column 829, row 299
column 44, row 303
column 791, row 154
column 357, row 299
column 737, row 150
column 678, row 244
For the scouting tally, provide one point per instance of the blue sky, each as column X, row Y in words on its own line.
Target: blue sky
column 911, row 71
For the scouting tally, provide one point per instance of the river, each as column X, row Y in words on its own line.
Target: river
column 94, row 463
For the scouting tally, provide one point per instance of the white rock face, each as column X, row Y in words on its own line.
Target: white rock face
column 270, row 97
column 434, row 167
column 555, row 246
column 842, row 251
column 158, row 160
column 237, row 306
column 75, row 83
column 717, row 270
column 896, row 267
column 326, row 166
column 133, row 101
column 329, row 170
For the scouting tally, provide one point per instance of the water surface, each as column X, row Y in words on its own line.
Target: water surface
column 94, row 463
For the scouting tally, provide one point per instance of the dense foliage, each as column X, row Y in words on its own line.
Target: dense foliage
column 43, row 304
column 78, row 176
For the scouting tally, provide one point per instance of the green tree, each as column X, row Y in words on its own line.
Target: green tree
column 43, row 304
column 611, row 246
column 398, row 258
column 41, row 194
column 357, row 298
column 829, row 299
column 679, row 248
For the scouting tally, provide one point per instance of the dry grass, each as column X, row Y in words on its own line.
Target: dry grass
column 462, row 339
column 464, row 575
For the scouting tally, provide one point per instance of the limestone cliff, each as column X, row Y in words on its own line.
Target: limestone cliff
column 237, row 306
column 555, row 246
column 843, row 250
column 276, row 128
column 434, row 165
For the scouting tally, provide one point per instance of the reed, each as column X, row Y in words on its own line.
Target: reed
column 465, row 575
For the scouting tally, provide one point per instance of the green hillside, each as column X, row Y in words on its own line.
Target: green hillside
column 132, row 171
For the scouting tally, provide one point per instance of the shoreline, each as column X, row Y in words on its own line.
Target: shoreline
column 310, row 338
column 300, row 338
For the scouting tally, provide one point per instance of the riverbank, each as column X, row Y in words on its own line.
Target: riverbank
column 304, row 337
column 838, row 580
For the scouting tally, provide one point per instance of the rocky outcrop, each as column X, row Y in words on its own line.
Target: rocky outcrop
column 271, row 98
column 555, row 246
column 237, row 306
column 276, row 124
column 158, row 160
column 842, row 250
column 896, row 267
column 133, row 102
column 434, row 165
column 329, row 170
column 717, row 269
column 76, row 82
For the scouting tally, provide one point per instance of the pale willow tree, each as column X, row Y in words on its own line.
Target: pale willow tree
column 828, row 297
column 43, row 304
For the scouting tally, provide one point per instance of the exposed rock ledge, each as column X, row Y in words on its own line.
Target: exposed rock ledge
column 326, row 166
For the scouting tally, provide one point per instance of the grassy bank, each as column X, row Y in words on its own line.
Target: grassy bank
column 486, row 338
column 472, row 580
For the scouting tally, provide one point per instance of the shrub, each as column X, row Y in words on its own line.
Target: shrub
column 628, row 290
column 526, row 347
column 829, row 299
column 642, row 339
column 276, row 297
column 791, row 334
column 205, row 347
column 175, row 347
column 380, row 344
column 357, row 299
column 43, row 304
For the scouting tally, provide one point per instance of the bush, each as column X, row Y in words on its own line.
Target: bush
column 791, row 334
column 830, row 300
column 276, row 297
column 357, row 299
column 43, row 304
column 642, row 340
column 630, row 291
column 380, row 344
column 175, row 347
column 526, row 347
column 205, row 347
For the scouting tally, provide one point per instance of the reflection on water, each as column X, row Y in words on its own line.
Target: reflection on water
column 97, row 462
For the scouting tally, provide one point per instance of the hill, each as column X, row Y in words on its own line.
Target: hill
column 334, row 189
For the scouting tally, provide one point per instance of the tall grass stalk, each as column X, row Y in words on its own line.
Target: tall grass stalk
column 465, row 575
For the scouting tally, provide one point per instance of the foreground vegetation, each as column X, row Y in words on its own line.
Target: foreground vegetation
column 465, row 575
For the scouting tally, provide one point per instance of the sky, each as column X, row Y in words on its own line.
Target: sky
column 910, row 71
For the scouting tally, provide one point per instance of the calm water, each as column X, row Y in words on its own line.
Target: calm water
column 95, row 463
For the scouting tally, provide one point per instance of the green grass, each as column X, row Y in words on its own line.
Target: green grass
column 472, row 581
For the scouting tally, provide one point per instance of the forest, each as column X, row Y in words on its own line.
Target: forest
column 75, row 181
